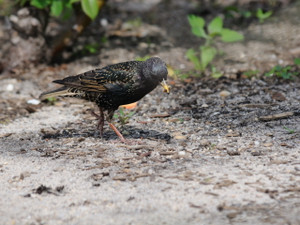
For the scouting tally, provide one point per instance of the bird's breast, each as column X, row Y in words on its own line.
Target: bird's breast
column 125, row 95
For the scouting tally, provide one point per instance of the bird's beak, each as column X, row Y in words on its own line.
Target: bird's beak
column 165, row 86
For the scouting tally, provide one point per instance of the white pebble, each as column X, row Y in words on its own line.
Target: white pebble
column 10, row 87
column 181, row 153
column 104, row 22
column 34, row 101
column 224, row 94
column 150, row 171
column 182, row 66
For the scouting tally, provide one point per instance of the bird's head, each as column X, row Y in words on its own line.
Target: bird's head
column 155, row 69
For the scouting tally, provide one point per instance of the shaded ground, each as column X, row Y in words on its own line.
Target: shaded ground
column 208, row 153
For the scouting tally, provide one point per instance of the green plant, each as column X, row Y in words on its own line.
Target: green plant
column 215, row 73
column 212, row 146
column 52, row 100
column 201, row 59
column 289, row 130
column 251, row 73
column 137, row 22
column 142, row 58
column 236, row 12
column 91, row 48
column 56, row 7
column 82, row 12
column 180, row 75
column 103, row 40
column 263, row 15
column 285, row 72
column 123, row 116
column 297, row 61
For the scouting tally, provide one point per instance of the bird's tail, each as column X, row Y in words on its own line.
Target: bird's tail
column 63, row 91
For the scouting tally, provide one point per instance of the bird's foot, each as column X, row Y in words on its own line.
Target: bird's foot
column 131, row 142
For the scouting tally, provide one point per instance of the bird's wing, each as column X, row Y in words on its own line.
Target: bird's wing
column 110, row 78
column 87, row 81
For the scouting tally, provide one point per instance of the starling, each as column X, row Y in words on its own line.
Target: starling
column 113, row 85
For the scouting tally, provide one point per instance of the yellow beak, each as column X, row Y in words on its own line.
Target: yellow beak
column 165, row 86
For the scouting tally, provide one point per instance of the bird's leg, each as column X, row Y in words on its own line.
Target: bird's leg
column 101, row 122
column 113, row 127
column 100, row 117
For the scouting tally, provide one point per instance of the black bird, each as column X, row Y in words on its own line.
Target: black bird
column 114, row 85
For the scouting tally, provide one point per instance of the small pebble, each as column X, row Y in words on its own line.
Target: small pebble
column 256, row 143
column 224, row 94
column 181, row 153
column 151, row 171
column 182, row 66
column 268, row 144
column 205, row 142
column 143, row 45
column 180, row 137
column 33, row 101
column 233, row 152
column 256, row 153
column 104, row 22
column 10, row 87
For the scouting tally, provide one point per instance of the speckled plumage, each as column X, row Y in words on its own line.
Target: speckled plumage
column 113, row 85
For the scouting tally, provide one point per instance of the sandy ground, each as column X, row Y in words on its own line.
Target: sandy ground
column 183, row 172
column 202, row 155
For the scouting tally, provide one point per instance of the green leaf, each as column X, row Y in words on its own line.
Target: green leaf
column 277, row 68
column 246, row 14
column 90, row 8
column 191, row 55
column 297, row 61
column 197, row 23
column 143, row 58
column 231, row 35
column 215, row 26
column 40, row 4
column 92, row 48
column 208, row 53
column 52, row 100
column 282, row 72
column 289, row 130
column 269, row 74
column 215, row 73
column 262, row 16
column 57, row 7
column 251, row 73
column 67, row 10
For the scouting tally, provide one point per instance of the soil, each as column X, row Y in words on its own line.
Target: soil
column 213, row 151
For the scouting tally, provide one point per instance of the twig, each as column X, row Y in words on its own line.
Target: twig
column 276, row 116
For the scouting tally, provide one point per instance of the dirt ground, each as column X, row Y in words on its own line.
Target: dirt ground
column 210, row 152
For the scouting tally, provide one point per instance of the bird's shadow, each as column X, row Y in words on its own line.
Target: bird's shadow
column 127, row 131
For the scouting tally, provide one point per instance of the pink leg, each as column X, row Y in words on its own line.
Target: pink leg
column 117, row 132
